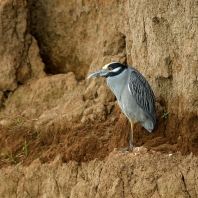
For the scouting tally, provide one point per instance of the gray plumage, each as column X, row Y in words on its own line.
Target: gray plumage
column 134, row 95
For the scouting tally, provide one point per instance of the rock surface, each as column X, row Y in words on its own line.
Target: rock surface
column 159, row 38
column 137, row 174
column 19, row 53
column 54, row 123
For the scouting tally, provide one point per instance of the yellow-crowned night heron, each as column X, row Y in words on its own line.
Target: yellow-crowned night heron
column 134, row 95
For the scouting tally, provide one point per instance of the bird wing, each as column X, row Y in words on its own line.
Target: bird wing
column 142, row 92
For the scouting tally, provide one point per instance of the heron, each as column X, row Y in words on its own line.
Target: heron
column 133, row 93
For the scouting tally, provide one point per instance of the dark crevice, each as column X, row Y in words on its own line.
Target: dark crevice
column 183, row 179
column 6, row 94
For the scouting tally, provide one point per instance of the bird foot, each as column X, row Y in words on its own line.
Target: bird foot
column 127, row 149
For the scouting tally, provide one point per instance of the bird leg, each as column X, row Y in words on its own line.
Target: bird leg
column 131, row 135
column 130, row 140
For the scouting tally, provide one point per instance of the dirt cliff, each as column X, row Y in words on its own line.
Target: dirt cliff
column 138, row 174
column 59, row 130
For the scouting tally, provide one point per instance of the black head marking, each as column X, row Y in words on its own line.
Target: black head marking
column 115, row 69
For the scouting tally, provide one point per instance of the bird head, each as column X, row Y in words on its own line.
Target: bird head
column 110, row 69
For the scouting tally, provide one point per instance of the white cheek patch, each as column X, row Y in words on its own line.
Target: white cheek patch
column 116, row 69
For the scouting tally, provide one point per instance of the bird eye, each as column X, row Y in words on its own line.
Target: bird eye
column 110, row 68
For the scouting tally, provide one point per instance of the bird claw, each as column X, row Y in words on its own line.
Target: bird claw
column 127, row 149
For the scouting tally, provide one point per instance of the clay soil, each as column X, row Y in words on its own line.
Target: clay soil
column 22, row 144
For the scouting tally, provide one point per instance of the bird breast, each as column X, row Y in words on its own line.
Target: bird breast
column 117, row 84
